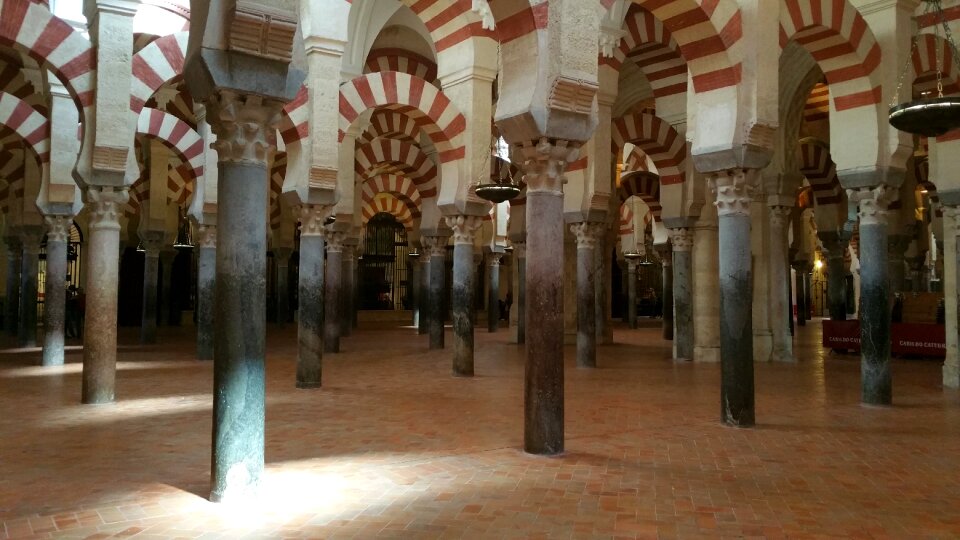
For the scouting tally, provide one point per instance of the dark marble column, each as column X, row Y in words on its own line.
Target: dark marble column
column 414, row 280
column 281, row 257
column 100, row 321
column 424, row 295
column 734, row 195
column 520, row 255
column 165, row 301
column 493, row 292
column 666, row 258
column 55, row 297
column 801, row 296
column 544, row 164
column 875, row 377
column 437, row 247
column 632, row 293
column 834, row 249
column 11, row 306
column 151, row 242
column 347, row 289
column 682, row 242
column 206, row 285
column 31, row 236
column 588, row 234
column 781, row 310
column 333, row 316
column 896, row 247
column 310, row 324
column 600, row 300
column 463, row 292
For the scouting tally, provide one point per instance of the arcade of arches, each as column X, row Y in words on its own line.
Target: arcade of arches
column 261, row 218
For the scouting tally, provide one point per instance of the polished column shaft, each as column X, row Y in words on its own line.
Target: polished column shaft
column 437, row 247
column 206, row 286
column 30, row 265
column 333, row 318
column 682, row 242
column 666, row 295
column 588, row 235
column 780, row 307
column 310, row 322
column 55, row 297
column 463, row 292
column 493, row 293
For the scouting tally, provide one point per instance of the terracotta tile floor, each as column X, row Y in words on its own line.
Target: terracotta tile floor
column 393, row 446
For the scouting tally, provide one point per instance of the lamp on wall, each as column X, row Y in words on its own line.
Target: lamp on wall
column 928, row 116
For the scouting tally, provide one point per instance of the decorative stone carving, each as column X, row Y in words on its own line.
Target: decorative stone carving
column 152, row 242
column 207, row 236
column 572, row 95
column 464, row 228
column 588, row 234
column 324, row 179
column 260, row 31
column 482, row 9
column 544, row 164
column 110, row 158
column 780, row 216
column 245, row 126
column 105, row 204
column 312, row 217
column 681, row 239
column 733, row 190
column 610, row 39
column 335, row 240
column 493, row 259
column 58, row 227
column 435, row 246
column 873, row 203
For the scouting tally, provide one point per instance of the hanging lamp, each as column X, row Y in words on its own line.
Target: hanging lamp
column 500, row 186
column 184, row 237
column 928, row 116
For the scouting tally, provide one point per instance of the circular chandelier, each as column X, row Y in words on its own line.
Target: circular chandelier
column 500, row 186
column 928, row 116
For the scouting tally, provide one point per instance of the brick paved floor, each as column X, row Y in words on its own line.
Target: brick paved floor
column 393, row 446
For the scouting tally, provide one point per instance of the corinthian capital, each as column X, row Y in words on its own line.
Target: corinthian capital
column 207, row 236
column 312, row 218
column 874, row 203
column 681, row 239
column 335, row 241
column 435, row 246
column 245, row 125
column 105, row 204
column 58, row 227
column 734, row 191
column 780, row 216
column 464, row 228
column 588, row 234
column 545, row 162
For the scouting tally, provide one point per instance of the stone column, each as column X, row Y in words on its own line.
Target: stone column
column 875, row 377
column 632, row 293
column 310, row 324
column 493, row 294
column 802, row 309
column 588, row 235
column 31, row 236
column 666, row 293
column 781, row 312
column 152, row 241
column 333, row 316
column 601, row 301
column 544, row 164
column 100, row 325
column 55, row 297
column 246, row 138
column 281, row 257
column 951, row 270
column 206, row 286
column 11, row 314
column 706, row 283
column 682, row 242
column 808, row 290
column 414, row 280
column 348, row 289
column 437, row 248
column 896, row 247
column 734, row 195
column 165, row 298
column 463, row 292
column 834, row 248
column 520, row 255
column 424, row 292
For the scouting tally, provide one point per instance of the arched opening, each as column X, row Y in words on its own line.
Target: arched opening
column 383, row 265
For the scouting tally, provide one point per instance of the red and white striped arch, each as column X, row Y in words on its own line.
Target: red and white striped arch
column 31, row 126
column 449, row 22
column 651, row 46
column 626, row 220
column 12, row 172
column 391, row 156
column 817, row 107
column 278, row 172
column 429, row 107
column 177, row 135
column 295, row 120
column 388, row 123
column 180, row 184
column 644, row 185
column 656, row 138
column 925, row 61
column 13, row 82
column 139, row 194
column 841, row 42
column 819, row 169
column 396, row 185
column 637, row 161
column 403, row 61
column 157, row 64
column 388, row 203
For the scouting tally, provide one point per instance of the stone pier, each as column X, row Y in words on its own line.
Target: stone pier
column 781, row 311
column 588, row 235
column 334, row 305
column 310, row 323
column 436, row 246
column 414, row 282
column 834, row 249
column 463, row 292
column 206, row 285
column 55, row 297
column 706, row 283
column 682, row 241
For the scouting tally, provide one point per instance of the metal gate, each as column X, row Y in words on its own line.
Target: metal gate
column 383, row 265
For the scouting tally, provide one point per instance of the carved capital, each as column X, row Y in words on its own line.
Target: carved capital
column 152, row 242
column 780, row 216
column 105, row 204
column 588, row 234
column 873, row 203
column 58, row 228
column 681, row 239
column 245, row 125
column 435, row 246
column 312, row 218
column 493, row 259
column 335, row 241
column 734, row 191
column 544, row 163
column 207, row 236
column 464, row 228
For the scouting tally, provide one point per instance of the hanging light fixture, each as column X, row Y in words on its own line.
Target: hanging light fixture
column 184, row 238
column 928, row 116
column 140, row 248
column 633, row 256
column 500, row 186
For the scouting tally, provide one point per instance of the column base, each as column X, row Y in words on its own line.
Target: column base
column 706, row 355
